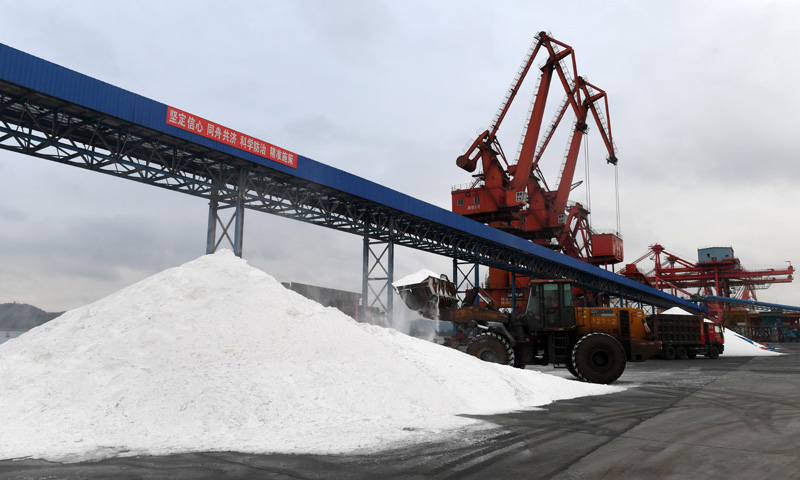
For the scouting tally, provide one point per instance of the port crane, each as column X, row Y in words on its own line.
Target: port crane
column 514, row 196
column 717, row 274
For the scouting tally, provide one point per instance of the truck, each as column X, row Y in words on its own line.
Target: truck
column 684, row 335
column 594, row 343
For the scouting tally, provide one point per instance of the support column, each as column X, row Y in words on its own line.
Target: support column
column 211, row 236
column 513, row 294
column 462, row 274
column 238, row 234
column 236, row 208
column 362, row 313
column 390, row 274
column 377, row 276
column 462, row 271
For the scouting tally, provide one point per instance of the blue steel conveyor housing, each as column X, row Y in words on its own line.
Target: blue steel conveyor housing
column 51, row 112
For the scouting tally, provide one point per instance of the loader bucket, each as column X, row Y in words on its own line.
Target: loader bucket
column 429, row 297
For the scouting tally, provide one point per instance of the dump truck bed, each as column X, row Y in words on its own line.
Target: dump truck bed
column 677, row 329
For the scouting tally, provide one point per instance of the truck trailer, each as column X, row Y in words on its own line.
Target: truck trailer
column 684, row 335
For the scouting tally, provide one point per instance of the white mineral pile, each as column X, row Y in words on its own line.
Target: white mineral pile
column 739, row 346
column 416, row 277
column 675, row 311
column 217, row 356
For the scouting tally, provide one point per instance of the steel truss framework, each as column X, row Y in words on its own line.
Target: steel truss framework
column 377, row 277
column 466, row 276
column 41, row 126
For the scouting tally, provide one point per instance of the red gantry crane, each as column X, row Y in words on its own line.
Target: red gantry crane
column 717, row 272
column 514, row 196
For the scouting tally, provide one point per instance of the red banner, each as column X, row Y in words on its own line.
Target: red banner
column 201, row 126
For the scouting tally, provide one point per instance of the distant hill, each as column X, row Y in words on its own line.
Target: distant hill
column 20, row 316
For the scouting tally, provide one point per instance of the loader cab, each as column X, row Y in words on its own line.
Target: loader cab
column 550, row 305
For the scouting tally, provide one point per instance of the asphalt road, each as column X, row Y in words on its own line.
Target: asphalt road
column 733, row 417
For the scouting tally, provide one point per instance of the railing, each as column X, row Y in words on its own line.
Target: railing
column 466, row 186
column 515, row 81
column 527, row 120
column 608, row 231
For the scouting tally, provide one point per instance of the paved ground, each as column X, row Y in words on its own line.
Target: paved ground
column 725, row 418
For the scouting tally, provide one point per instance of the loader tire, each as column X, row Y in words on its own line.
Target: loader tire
column 491, row 347
column 571, row 368
column 598, row 358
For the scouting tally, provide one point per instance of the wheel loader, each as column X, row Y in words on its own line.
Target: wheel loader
column 593, row 343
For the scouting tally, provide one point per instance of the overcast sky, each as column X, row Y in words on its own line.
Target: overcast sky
column 702, row 96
